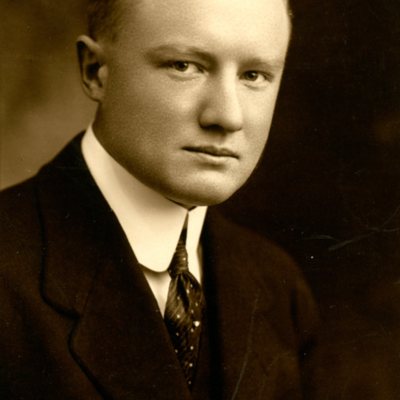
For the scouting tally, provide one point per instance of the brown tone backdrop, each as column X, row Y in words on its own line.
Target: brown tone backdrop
column 41, row 103
column 328, row 189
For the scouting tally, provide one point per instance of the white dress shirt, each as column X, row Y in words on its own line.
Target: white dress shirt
column 151, row 222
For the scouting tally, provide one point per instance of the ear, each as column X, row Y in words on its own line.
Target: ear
column 94, row 70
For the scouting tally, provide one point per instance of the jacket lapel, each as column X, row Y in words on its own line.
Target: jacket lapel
column 89, row 273
column 121, row 340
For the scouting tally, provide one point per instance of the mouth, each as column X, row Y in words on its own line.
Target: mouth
column 212, row 151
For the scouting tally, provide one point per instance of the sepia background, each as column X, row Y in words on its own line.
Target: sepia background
column 327, row 189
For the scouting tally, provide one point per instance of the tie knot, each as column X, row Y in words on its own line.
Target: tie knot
column 179, row 263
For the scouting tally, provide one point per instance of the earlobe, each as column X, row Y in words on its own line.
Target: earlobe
column 93, row 68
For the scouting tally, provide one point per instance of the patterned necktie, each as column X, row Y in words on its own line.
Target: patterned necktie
column 184, row 310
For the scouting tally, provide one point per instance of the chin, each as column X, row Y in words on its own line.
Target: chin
column 198, row 190
column 201, row 197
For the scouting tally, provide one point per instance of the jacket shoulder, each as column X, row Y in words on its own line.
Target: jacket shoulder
column 18, row 212
column 20, row 233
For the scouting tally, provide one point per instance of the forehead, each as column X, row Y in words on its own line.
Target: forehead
column 252, row 23
column 183, row 8
column 133, row 4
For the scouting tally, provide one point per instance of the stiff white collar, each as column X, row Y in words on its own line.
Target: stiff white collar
column 151, row 222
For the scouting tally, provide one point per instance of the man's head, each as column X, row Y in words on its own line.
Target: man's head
column 186, row 89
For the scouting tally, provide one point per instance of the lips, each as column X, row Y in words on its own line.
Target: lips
column 212, row 151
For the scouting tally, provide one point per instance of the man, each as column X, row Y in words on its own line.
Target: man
column 98, row 299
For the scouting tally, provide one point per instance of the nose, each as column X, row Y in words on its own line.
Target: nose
column 221, row 109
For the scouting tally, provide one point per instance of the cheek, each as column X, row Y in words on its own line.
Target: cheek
column 159, row 108
column 258, row 123
column 258, row 107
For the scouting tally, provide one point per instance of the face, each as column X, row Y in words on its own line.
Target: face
column 188, row 91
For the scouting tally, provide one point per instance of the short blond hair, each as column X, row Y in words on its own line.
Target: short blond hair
column 104, row 17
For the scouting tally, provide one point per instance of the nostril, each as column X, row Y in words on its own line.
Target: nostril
column 214, row 128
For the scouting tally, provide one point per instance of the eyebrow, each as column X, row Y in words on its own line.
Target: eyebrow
column 261, row 63
column 272, row 64
column 190, row 50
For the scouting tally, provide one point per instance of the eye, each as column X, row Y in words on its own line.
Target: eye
column 185, row 67
column 256, row 78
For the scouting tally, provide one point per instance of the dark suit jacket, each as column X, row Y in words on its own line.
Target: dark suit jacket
column 78, row 320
